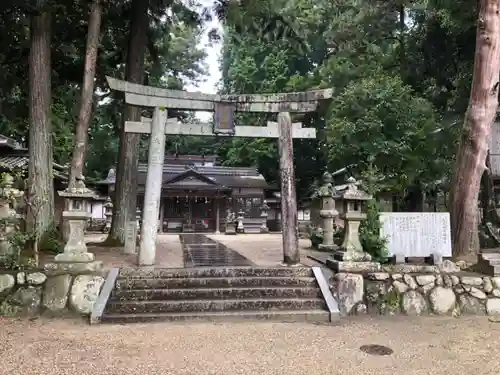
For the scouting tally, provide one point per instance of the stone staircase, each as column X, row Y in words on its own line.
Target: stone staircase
column 216, row 294
column 489, row 262
column 252, row 225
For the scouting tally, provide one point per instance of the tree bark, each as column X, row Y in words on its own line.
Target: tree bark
column 87, row 96
column 40, row 174
column 86, row 102
column 473, row 149
column 125, row 198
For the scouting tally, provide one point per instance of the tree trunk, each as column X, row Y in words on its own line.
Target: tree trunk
column 87, row 96
column 471, row 156
column 86, row 102
column 125, row 199
column 40, row 175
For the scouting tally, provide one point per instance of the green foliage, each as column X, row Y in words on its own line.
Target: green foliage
column 316, row 238
column 51, row 242
column 16, row 258
column 369, row 231
column 379, row 120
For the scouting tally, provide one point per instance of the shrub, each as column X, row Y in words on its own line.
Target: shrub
column 369, row 233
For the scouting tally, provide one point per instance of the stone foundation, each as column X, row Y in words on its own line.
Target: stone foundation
column 405, row 290
column 30, row 293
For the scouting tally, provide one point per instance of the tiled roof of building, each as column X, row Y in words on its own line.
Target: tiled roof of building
column 227, row 177
column 13, row 155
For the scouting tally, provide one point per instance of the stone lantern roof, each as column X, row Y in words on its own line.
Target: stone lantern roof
column 79, row 190
column 351, row 191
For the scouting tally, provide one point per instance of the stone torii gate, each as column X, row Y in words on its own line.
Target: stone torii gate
column 224, row 107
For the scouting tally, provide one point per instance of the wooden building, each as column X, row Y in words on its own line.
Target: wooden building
column 14, row 158
column 197, row 192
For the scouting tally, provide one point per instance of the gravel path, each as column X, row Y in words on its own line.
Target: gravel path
column 421, row 346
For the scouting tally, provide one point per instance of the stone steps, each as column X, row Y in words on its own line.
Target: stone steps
column 489, row 263
column 132, row 273
column 290, row 316
column 131, row 307
column 226, row 293
column 213, row 282
column 220, row 293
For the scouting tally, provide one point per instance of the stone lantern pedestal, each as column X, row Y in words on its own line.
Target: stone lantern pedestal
column 351, row 257
column 328, row 213
column 76, row 257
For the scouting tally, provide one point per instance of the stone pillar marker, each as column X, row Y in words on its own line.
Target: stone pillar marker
column 76, row 255
column 328, row 213
column 264, row 215
column 217, row 215
column 352, row 257
column 131, row 236
column 289, row 216
column 152, row 195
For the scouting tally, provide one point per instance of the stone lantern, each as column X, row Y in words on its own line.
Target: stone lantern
column 8, row 215
column 264, row 214
column 75, row 251
column 108, row 213
column 111, row 181
column 138, row 217
column 230, row 222
column 328, row 213
column 240, row 228
column 352, row 257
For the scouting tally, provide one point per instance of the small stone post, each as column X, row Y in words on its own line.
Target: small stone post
column 108, row 213
column 240, row 228
column 131, row 236
column 264, row 214
column 8, row 216
column 328, row 213
column 75, row 256
column 352, row 257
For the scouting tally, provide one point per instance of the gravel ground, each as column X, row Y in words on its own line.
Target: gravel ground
column 421, row 346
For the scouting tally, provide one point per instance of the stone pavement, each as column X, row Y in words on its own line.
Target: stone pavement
column 425, row 345
column 168, row 252
column 260, row 249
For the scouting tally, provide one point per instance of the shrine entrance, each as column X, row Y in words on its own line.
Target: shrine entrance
column 198, row 211
column 225, row 108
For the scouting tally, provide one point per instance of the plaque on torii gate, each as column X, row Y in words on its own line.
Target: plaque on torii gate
column 224, row 107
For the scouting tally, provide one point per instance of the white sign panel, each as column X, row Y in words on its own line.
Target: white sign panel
column 417, row 234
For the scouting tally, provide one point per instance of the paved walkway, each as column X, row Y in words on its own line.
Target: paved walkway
column 201, row 251
column 260, row 249
column 437, row 346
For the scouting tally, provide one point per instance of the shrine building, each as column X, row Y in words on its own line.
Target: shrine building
column 197, row 193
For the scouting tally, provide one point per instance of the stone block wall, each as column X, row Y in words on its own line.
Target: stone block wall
column 416, row 293
column 30, row 293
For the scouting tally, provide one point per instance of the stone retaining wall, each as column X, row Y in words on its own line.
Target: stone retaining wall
column 33, row 292
column 416, row 293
